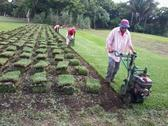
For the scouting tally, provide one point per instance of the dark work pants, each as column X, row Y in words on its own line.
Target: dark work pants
column 112, row 69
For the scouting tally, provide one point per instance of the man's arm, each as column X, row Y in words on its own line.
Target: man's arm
column 109, row 42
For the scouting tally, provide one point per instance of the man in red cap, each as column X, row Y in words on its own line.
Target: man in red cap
column 70, row 36
column 119, row 39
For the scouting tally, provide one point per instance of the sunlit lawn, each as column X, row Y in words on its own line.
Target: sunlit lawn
column 90, row 44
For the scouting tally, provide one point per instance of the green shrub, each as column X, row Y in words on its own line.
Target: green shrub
column 81, row 70
column 74, row 62
column 93, row 85
column 10, row 76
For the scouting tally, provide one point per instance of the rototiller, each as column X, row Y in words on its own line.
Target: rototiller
column 137, row 85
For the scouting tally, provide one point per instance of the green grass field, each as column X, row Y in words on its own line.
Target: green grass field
column 8, row 23
column 90, row 44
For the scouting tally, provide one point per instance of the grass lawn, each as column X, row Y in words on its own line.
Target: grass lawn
column 90, row 44
column 8, row 23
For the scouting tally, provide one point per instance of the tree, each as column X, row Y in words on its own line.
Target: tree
column 141, row 10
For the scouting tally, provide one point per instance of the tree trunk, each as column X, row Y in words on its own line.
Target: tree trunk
column 28, row 16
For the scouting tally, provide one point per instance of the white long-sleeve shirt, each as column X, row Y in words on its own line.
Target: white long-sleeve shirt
column 118, row 42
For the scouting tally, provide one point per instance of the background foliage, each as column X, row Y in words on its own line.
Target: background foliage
column 144, row 15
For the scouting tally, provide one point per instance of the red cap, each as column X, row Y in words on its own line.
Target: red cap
column 124, row 23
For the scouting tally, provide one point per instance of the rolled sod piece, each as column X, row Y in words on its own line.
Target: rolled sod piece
column 65, row 80
column 39, row 88
column 74, row 62
column 81, row 70
column 7, row 87
column 62, row 65
column 93, row 85
column 3, row 61
column 10, row 76
column 11, row 48
column 7, row 54
column 41, row 56
column 23, row 63
column 59, row 57
column 69, row 56
column 57, row 51
column 39, row 77
column 41, row 64
column 25, row 55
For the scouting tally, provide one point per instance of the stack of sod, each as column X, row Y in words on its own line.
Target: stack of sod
column 3, row 61
column 74, row 62
column 93, row 85
column 8, row 81
column 66, row 83
column 59, row 57
column 39, row 84
column 62, row 66
column 81, row 70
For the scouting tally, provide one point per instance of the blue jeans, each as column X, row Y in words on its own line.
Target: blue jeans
column 112, row 69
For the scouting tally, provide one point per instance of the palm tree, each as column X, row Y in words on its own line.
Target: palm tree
column 141, row 10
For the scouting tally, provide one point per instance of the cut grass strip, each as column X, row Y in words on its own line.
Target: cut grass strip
column 7, row 87
column 27, row 49
column 7, row 54
column 41, row 50
column 41, row 64
column 41, row 56
column 39, row 77
column 93, row 85
column 3, row 61
column 11, row 48
column 25, row 55
column 81, row 70
column 10, row 76
column 65, row 80
column 22, row 63
column 74, row 62
column 59, row 57
column 69, row 56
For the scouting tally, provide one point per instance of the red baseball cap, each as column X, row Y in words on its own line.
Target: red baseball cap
column 124, row 23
